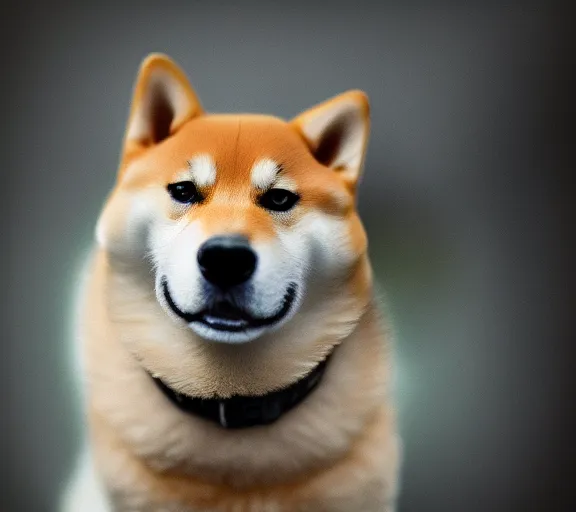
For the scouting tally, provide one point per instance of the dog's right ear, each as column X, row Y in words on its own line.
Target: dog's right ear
column 163, row 101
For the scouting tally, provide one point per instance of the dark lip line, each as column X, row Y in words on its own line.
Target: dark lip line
column 252, row 322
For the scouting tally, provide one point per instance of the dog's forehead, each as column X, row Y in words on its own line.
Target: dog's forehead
column 239, row 148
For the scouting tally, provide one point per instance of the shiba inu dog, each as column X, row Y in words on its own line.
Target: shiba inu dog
column 234, row 357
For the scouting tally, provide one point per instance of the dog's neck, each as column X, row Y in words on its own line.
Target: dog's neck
column 247, row 411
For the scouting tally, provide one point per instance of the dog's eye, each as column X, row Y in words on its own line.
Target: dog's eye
column 184, row 192
column 278, row 199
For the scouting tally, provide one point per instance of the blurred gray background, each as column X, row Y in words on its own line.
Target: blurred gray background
column 466, row 198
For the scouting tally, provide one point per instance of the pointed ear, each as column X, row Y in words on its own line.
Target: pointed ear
column 163, row 101
column 337, row 132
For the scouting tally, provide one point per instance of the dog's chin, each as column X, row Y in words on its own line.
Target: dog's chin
column 225, row 323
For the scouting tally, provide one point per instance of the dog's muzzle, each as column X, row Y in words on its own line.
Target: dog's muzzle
column 222, row 315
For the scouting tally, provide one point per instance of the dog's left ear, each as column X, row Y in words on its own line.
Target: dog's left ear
column 163, row 101
column 336, row 132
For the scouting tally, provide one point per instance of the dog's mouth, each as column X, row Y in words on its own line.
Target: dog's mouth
column 227, row 317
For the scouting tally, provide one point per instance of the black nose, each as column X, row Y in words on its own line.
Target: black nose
column 226, row 261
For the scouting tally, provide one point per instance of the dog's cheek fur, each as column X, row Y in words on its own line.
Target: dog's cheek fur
column 278, row 267
column 124, row 225
column 319, row 248
column 174, row 246
column 329, row 245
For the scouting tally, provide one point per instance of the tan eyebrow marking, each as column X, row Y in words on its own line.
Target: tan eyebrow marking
column 264, row 173
column 203, row 170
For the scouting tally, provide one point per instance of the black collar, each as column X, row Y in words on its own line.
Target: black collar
column 247, row 411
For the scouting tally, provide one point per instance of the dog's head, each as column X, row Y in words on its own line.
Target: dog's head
column 241, row 217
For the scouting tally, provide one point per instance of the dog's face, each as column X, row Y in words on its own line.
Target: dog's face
column 240, row 216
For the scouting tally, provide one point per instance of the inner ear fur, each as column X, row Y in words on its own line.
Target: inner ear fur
column 336, row 132
column 163, row 101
